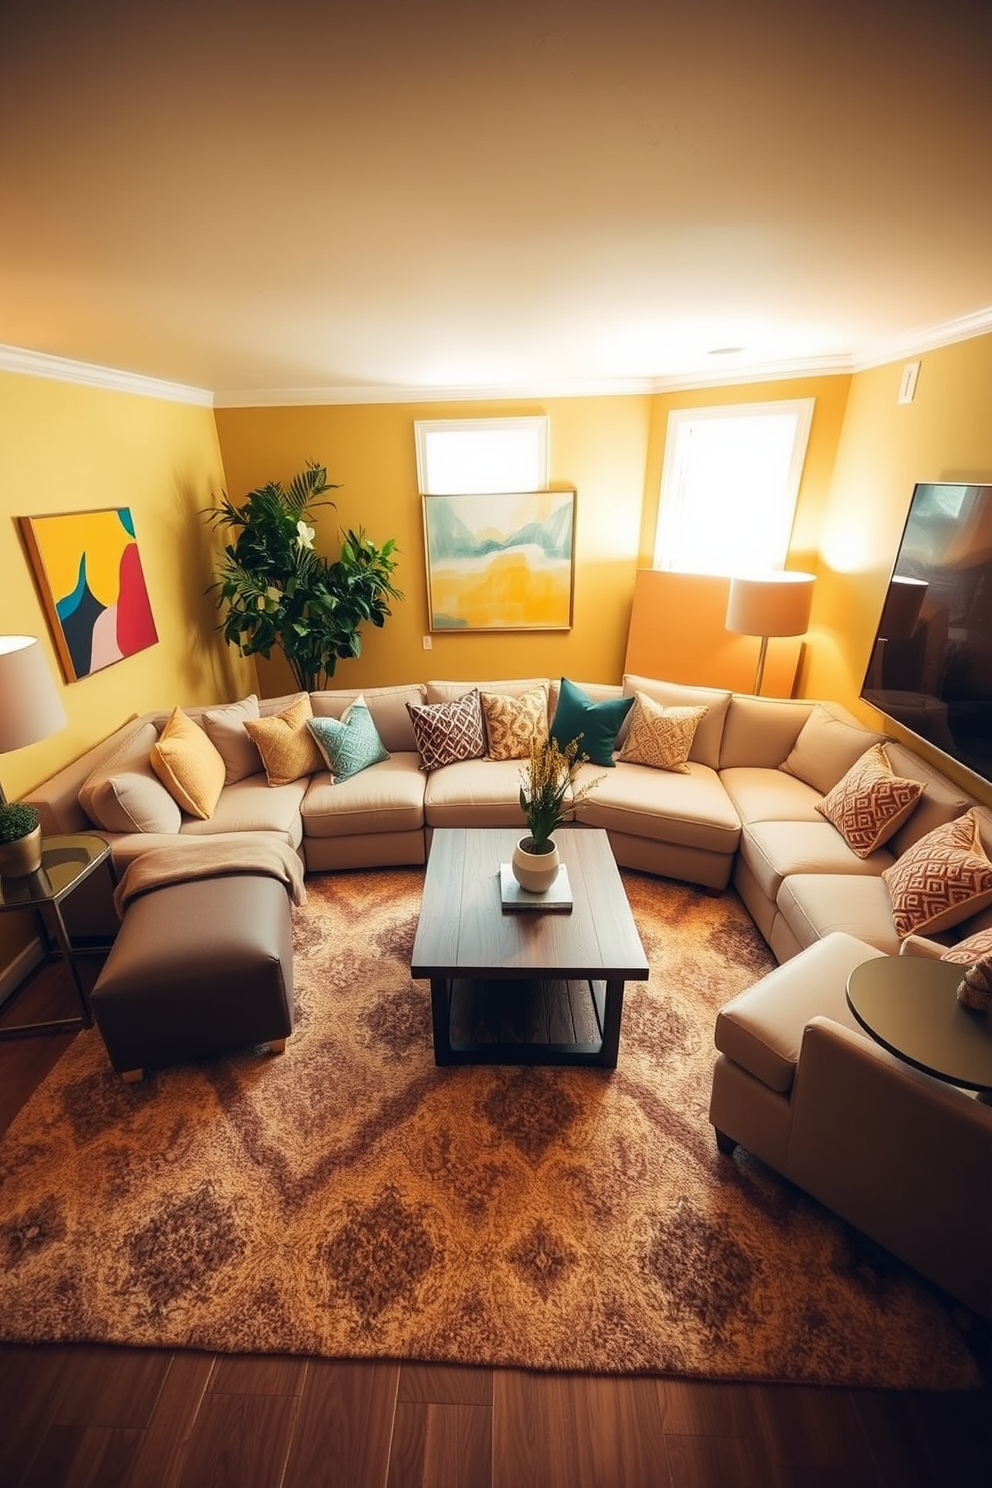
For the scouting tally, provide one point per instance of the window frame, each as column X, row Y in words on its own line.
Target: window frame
column 536, row 424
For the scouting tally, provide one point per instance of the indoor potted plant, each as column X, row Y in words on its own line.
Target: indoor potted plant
column 548, row 797
column 279, row 591
column 20, row 839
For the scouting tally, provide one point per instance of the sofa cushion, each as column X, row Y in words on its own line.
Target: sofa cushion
column 514, row 724
column 941, row 801
column 448, row 732
column 387, row 706
column 709, row 735
column 942, row 879
column 760, row 731
column 763, row 794
column 595, row 724
column 660, row 737
column 475, row 793
column 690, row 810
column 288, row 749
column 970, row 950
column 775, row 849
column 762, row 1029
column 348, row 744
column 385, row 798
column 826, row 749
column 870, row 802
column 123, row 793
column 815, row 904
column 188, row 765
column 447, row 692
column 253, row 805
column 225, row 728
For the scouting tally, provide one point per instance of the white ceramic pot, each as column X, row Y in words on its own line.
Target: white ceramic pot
column 534, row 871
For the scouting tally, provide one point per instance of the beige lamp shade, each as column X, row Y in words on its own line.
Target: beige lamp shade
column 775, row 604
column 30, row 706
column 901, row 611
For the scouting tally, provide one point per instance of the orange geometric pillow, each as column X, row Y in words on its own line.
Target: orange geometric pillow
column 976, row 948
column 941, row 880
column 870, row 802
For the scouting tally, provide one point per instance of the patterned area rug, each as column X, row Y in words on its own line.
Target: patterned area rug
column 350, row 1199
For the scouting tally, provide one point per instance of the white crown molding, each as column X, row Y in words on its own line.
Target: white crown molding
column 931, row 338
column 298, row 397
column 61, row 369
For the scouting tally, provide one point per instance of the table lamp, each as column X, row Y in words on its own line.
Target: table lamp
column 30, row 706
column 776, row 604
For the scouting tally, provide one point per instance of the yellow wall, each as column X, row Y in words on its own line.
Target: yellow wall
column 597, row 445
column 72, row 448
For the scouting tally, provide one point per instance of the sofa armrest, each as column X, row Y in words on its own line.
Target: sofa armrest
column 922, row 945
column 901, row 1155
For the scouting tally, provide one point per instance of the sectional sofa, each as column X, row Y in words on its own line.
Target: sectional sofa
column 742, row 809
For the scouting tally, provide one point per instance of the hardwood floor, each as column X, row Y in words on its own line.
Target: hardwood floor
column 87, row 1416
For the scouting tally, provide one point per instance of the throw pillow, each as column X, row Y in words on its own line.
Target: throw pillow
column 870, row 802
column 188, row 765
column 513, row 724
column 348, row 744
column 225, row 728
column 941, row 880
column 660, row 737
column 595, row 725
column 826, row 748
column 447, row 733
column 975, row 948
column 123, row 793
column 287, row 747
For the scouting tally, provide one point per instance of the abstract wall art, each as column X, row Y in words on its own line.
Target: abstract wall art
column 500, row 562
column 89, row 576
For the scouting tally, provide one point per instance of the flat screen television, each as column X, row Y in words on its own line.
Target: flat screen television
column 931, row 665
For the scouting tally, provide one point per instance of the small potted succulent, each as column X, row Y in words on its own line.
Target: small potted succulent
column 20, row 839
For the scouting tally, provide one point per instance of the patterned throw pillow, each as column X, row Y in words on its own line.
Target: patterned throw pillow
column 188, row 765
column 941, row 880
column 514, row 723
column 448, row 732
column 350, row 744
column 975, row 948
column 287, row 747
column 660, row 737
column 870, row 802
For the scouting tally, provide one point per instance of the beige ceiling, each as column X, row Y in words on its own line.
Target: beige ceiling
column 287, row 200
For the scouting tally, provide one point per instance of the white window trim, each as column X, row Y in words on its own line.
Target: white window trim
column 537, row 425
column 673, row 474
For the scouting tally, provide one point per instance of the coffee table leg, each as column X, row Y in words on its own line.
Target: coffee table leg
column 612, row 1014
column 441, row 1019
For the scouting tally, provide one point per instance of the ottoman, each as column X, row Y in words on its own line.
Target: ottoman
column 198, row 968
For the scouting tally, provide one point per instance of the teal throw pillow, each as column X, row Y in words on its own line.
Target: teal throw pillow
column 598, row 723
column 351, row 744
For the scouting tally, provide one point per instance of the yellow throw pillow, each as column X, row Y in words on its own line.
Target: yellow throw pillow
column 660, row 737
column 870, row 803
column 941, row 880
column 514, row 723
column 287, row 747
column 188, row 765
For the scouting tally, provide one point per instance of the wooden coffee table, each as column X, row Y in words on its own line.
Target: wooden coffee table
column 525, row 986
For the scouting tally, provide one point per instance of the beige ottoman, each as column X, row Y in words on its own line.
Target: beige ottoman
column 198, row 969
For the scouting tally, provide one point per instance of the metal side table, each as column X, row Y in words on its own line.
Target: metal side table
column 65, row 863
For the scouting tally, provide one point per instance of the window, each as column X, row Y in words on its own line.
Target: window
column 729, row 487
column 474, row 457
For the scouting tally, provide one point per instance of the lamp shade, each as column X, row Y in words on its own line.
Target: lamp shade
column 775, row 605
column 903, row 603
column 30, row 706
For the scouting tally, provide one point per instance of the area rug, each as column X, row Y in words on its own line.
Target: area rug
column 349, row 1199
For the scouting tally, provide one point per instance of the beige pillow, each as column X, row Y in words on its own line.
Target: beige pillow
column 287, row 747
column 188, row 765
column 123, row 794
column 941, row 880
column 660, row 737
column 514, row 723
column 826, row 749
column 871, row 802
column 225, row 728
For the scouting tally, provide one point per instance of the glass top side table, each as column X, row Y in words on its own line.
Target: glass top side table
column 65, row 863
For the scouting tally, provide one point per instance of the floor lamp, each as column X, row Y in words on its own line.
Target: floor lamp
column 776, row 604
column 30, row 706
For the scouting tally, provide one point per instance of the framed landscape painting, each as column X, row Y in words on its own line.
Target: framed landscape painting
column 92, row 585
column 500, row 562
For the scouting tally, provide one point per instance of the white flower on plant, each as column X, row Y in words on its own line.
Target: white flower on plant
column 304, row 535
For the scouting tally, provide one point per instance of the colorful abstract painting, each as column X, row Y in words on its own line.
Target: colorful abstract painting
column 92, row 585
column 500, row 562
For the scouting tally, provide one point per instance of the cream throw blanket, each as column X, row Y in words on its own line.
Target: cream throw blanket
column 206, row 859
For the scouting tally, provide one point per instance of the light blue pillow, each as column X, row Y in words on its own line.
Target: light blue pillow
column 351, row 744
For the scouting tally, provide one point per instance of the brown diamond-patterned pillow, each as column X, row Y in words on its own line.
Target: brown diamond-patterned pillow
column 975, row 948
column 870, row 802
column 514, row 723
column 941, row 880
column 660, row 737
column 448, row 732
